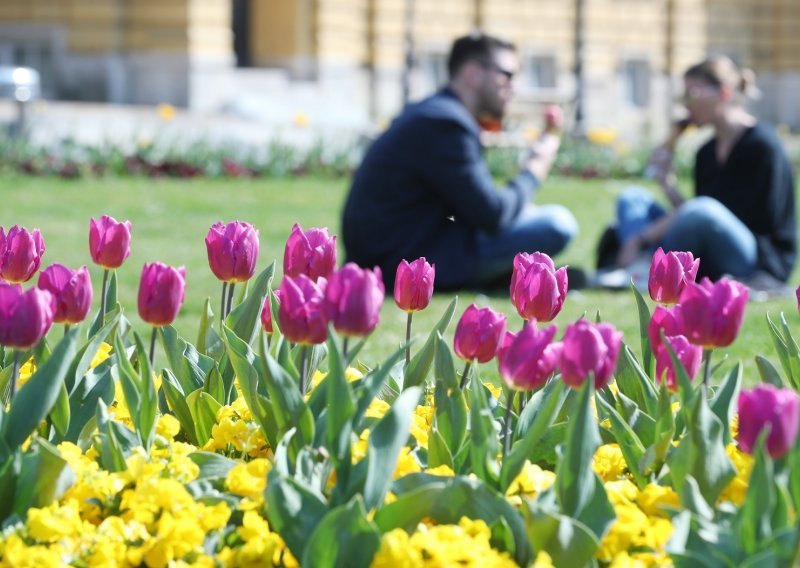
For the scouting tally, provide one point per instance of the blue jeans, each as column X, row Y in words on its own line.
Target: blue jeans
column 545, row 228
column 702, row 226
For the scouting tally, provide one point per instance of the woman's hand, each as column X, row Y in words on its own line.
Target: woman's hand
column 630, row 251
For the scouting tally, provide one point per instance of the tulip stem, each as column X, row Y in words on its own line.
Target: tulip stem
column 507, row 422
column 222, row 306
column 408, row 338
column 103, row 298
column 303, row 368
column 14, row 376
column 153, row 344
column 230, row 298
column 465, row 375
column 707, row 366
column 344, row 350
column 66, row 328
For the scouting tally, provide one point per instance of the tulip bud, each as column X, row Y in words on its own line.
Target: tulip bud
column 479, row 333
column 589, row 348
column 72, row 290
column 527, row 359
column 161, row 293
column 712, row 314
column 20, row 254
column 689, row 355
column 667, row 319
column 232, row 251
column 266, row 311
column 312, row 253
column 537, row 289
column 353, row 300
column 767, row 405
column 25, row 317
column 109, row 241
column 553, row 118
column 669, row 274
column 413, row 285
column 301, row 313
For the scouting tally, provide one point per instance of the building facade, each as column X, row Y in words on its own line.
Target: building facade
column 612, row 63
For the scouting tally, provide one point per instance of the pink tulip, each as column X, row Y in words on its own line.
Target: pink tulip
column 232, row 251
column 353, row 300
column 767, row 405
column 161, row 293
column 479, row 333
column 553, row 117
column 667, row 319
column 712, row 314
column 528, row 358
column 413, row 285
column 669, row 274
column 25, row 317
column 589, row 348
column 537, row 288
column 72, row 290
column 20, row 254
column 312, row 253
column 689, row 355
column 266, row 312
column 109, row 241
column 301, row 313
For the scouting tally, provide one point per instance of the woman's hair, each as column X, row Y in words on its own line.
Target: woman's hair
column 719, row 70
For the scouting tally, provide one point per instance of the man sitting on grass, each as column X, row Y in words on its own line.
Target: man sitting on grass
column 424, row 189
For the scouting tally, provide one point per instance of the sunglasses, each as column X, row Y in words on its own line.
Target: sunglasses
column 508, row 75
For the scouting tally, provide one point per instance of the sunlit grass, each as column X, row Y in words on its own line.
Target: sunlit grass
column 170, row 219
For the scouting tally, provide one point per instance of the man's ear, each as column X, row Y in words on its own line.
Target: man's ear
column 472, row 73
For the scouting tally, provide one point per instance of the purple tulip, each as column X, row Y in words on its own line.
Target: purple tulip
column 301, row 313
column 232, row 251
column 266, row 311
column 25, row 317
column 712, row 314
column 109, row 241
column 528, row 358
column 479, row 333
column 589, row 348
column 413, row 285
column 312, row 253
column 20, row 254
column 667, row 319
column 689, row 355
column 72, row 290
column 161, row 293
column 537, row 288
column 767, row 405
column 670, row 273
column 353, row 300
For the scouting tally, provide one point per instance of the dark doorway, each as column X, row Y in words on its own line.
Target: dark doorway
column 241, row 32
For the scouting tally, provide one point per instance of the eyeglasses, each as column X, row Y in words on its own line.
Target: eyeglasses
column 697, row 93
column 508, row 75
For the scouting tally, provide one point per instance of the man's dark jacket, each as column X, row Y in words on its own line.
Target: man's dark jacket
column 424, row 189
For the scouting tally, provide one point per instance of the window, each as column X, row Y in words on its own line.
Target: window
column 541, row 71
column 636, row 82
column 433, row 67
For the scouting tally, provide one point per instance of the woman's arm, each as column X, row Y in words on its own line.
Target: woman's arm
column 653, row 234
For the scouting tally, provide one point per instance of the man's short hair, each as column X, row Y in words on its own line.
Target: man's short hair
column 474, row 47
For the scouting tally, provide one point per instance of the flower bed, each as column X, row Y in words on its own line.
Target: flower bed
column 267, row 442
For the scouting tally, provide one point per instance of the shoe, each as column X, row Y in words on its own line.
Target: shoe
column 620, row 278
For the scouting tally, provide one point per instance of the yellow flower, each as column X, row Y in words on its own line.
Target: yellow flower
column 656, row 500
column 301, row 120
column 736, row 490
column 16, row 553
column 406, row 463
column 531, row 480
column 377, row 409
column 166, row 112
column 26, row 371
column 103, row 353
column 441, row 470
column 494, row 389
column 168, row 426
column 248, row 479
column 601, row 136
column 626, row 528
column 609, row 463
column 54, row 522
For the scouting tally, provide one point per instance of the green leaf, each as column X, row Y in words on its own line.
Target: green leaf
column 443, row 368
column 724, row 401
column 701, row 452
column 568, row 541
column 204, row 411
column 148, row 401
column 344, row 538
column 644, row 322
column 83, row 360
column 629, row 443
column 212, row 466
column 370, row 385
column 438, row 451
column 446, row 500
column 206, row 322
column 245, row 319
column 782, row 349
column 793, row 353
column 190, row 366
column 537, row 416
column 451, row 414
column 339, row 414
column 177, row 403
column 45, row 476
column 60, row 413
column 421, row 362
column 96, row 386
column 385, row 442
column 634, row 382
column 34, row 401
column 292, row 510
column 754, row 518
column 483, row 435
column 111, row 300
column 769, row 374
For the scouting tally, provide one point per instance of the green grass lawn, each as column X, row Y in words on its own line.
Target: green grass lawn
column 170, row 219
